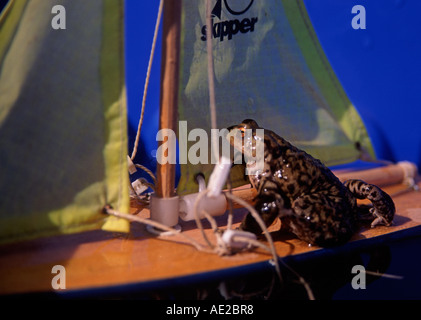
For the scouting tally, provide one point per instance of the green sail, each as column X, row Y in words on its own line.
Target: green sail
column 269, row 66
column 63, row 137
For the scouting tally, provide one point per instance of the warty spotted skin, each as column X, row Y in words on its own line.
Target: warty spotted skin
column 308, row 198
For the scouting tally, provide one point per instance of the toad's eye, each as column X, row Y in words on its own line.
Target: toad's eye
column 243, row 131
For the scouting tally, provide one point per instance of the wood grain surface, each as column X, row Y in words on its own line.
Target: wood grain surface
column 99, row 259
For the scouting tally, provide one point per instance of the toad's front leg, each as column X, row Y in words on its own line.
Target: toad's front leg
column 268, row 205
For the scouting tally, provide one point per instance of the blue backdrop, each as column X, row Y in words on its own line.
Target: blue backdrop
column 379, row 68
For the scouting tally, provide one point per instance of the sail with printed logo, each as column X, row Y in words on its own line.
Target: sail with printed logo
column 270, row 67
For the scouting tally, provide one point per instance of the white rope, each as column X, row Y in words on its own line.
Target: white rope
column 221, row 247
column 148, row 74
column 147, row 171
column 145, row 90
column 230, row 205
column 154, row 224
column 196, row 216
column 262, row 225
column 211, row 74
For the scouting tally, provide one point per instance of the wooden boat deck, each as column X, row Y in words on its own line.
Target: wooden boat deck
column 99, row 259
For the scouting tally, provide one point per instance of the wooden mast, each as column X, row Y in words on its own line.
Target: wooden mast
column 165, row 186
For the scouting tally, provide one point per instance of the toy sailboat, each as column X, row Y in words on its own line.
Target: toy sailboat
column 63, row 137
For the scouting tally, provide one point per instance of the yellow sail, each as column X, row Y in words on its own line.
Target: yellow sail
column 63, row 137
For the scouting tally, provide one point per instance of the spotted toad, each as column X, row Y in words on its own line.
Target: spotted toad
column 308, row 198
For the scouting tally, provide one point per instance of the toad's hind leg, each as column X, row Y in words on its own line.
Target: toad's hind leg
column 383, row 209
column 321, row 220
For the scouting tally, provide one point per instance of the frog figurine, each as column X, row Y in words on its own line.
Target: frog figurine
column 309, row 199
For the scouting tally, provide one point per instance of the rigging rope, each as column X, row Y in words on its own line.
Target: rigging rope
column 221, row 247
column 211, row 76
column 148, row 74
